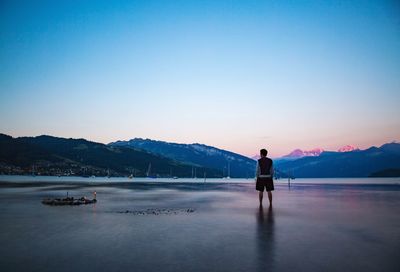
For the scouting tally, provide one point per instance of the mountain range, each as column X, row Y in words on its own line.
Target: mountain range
column 48, row 155
column 299, row 153
column 374, row 161
column 200, row 155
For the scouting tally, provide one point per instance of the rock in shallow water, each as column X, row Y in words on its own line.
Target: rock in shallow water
column 157, row 211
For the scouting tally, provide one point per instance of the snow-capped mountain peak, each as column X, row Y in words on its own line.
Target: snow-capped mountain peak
column 347, row 148
column 298, row 153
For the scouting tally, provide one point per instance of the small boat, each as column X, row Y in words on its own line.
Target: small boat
column 148, row 173
column 69, row 201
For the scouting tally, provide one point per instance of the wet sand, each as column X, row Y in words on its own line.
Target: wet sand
column 200, row 227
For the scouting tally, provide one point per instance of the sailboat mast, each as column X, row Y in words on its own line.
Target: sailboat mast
column 148, row 170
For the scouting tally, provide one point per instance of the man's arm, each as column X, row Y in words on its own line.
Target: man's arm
column 257, row 170
column 271, row 170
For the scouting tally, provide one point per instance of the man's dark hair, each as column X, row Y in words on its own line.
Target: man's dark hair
column 263, row 152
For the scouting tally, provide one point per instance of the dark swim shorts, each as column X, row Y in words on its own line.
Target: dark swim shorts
column 266, row 183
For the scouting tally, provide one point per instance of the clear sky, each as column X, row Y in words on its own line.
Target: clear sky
column 238, row 75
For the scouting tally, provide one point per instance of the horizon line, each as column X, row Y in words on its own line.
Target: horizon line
column 183, row 143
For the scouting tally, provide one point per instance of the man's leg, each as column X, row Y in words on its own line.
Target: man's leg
column 270, row 197
column 260, row 196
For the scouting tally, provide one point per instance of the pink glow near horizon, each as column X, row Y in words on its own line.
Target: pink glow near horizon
column 276, row 151
column 246, row 148
column 250, row 149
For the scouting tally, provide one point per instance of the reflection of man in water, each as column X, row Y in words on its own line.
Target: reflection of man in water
column 264, row 174
column 265, row 240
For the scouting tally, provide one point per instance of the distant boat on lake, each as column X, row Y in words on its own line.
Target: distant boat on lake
column 148, row 174
column 229, row 171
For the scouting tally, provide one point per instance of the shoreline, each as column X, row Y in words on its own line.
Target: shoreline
column 34, row 180
column 196, row 185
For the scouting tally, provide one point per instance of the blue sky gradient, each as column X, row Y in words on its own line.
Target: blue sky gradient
column 238, row 75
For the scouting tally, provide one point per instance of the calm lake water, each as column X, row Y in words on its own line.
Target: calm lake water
column 72, row 179
column 178, row 225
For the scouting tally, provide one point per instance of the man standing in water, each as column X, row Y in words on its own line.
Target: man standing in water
column 264, row 175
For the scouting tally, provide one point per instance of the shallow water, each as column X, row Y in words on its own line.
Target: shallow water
column 101, row 180
column 312, row 227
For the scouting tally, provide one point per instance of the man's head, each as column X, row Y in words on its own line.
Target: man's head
column 263, row 152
